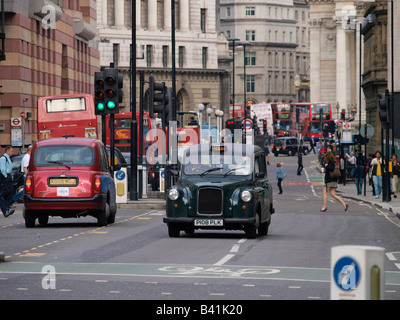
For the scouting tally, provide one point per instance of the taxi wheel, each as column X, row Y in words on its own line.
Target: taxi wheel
column 173, row 230
column 103, row 216
column 29, row 218
column 263, row 229
column 43, row 220
column 250, row 231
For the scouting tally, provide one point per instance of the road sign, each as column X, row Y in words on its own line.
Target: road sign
column 357, row 273
column 370, row 131
column 248, row 124
column 346, row 273
column 22, row 114
column 16, row 122
column 346, row 126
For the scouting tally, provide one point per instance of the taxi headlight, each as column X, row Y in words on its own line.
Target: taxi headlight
column 245, row 196
column 173, row 194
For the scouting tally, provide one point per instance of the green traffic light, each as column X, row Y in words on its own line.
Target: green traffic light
column 110, row 105
column 100, row 106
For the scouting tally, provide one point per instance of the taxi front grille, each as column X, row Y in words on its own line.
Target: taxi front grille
column 209, row 201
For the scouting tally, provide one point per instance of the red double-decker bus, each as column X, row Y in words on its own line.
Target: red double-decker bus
column 306, row 119
column 122, row 131
column 283, row 122
column 316, row 123
column 301, row 119
column 68, row 114
column 238, row 111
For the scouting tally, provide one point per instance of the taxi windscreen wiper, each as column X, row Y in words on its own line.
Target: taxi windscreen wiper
column 209, row 170
column 233, row 169
column 60, row 163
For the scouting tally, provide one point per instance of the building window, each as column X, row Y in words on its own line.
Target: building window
column 204, row 57
column 250, row 83
column 228, row 11
column 203, row 20
column 149, row 50
column 228, row 34
column 115, row 54
column 250, row 59
column 250, row 35
column 181, row 56
column 165, row 56
column 250, row 11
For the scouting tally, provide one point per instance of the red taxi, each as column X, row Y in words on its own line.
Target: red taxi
column 69, row 177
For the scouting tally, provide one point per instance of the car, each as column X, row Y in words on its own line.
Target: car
column 69, row 177
column 288, row 146
column 221, row 186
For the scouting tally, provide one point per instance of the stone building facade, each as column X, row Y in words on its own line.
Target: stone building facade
column 278, row 50
column 202, row 62
column 44, row 55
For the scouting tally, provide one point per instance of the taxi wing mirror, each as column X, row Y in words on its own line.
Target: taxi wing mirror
column 260, row 175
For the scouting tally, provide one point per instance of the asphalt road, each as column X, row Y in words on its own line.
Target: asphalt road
column 135, row 259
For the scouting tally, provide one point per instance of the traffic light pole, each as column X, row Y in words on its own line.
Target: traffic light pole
column 133, row 195
column 112, row 151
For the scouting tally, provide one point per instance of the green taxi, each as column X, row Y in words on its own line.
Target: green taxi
column 221, row 186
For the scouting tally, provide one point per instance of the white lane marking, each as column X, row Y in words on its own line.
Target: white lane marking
column 231, row 253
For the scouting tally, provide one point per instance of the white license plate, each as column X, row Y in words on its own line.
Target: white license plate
column 62, row 192
column 208, row 222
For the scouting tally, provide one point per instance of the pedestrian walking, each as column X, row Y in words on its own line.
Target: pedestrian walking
column 280, row 175
column 6, row 187
column 359, row 175
column 266, row 150
column 331, row 183
column 312, row 144
column 395, row 174
column 377, row 170
column 299, row 162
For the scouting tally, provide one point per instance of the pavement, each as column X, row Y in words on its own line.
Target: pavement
column 349, row 191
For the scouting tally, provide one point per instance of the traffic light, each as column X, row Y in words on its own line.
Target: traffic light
column 157, row 93
column 230, row 124
column 384, row 109
column 325, row 130
column 168, row 104
column 112, row 85
column 343, row 115
column 264, row 126
column 99, row 94
column 332, row 127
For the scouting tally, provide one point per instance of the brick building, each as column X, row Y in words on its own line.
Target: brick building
column 48, row 50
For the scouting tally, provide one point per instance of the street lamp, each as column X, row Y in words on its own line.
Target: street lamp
column 337, row 109
column 209, row 111
column 233, row 74
column 244, row 44
column 200, row 107
column 219, row 114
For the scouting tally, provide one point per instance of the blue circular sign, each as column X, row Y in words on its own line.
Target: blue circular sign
column 120, row 175
column 346, row 273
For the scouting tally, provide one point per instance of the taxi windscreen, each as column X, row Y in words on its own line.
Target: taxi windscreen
column 64, row 155
column 218, row 160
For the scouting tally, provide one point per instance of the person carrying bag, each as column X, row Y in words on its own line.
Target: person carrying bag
column 6, row 186
column 331, row 182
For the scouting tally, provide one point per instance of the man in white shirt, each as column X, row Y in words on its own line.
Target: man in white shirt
column 25, row 160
